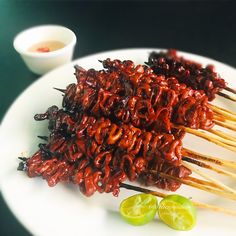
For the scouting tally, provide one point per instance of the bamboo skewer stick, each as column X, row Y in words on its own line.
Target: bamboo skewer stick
column 45, row 138
column 207, row 137
column 60, row 90
column 217, row 137
column 225, row 124
column 215, row 169
column 214, row 208
column 203, row 182
column 221, row 118
column 230, row 90
column 195, row 180
column 162, row 195
column 142, row 190
column 214, row 160
column 214, row 190
column 206, row 176
column 208, row 189
column 227, row 96
column 222, row 134
column 226, row 113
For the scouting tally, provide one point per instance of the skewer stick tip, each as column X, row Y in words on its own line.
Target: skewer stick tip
column 61, row 90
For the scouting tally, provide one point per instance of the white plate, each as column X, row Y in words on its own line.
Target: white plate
column 62, row 210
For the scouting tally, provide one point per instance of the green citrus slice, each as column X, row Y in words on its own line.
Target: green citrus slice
column 177, row 212
column 139, row 209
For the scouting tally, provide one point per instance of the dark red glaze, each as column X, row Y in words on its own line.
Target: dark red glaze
column 135, row 94
column 153, row 179
column 98, row 155
column 192, row 74
column 116, row 125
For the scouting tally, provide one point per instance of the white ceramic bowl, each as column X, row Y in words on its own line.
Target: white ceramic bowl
column 38, row 62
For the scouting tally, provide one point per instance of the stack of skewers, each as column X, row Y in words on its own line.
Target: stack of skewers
column 127, row 122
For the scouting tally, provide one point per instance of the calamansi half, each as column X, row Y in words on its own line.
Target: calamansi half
column 177, row 212
column 139, row 209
